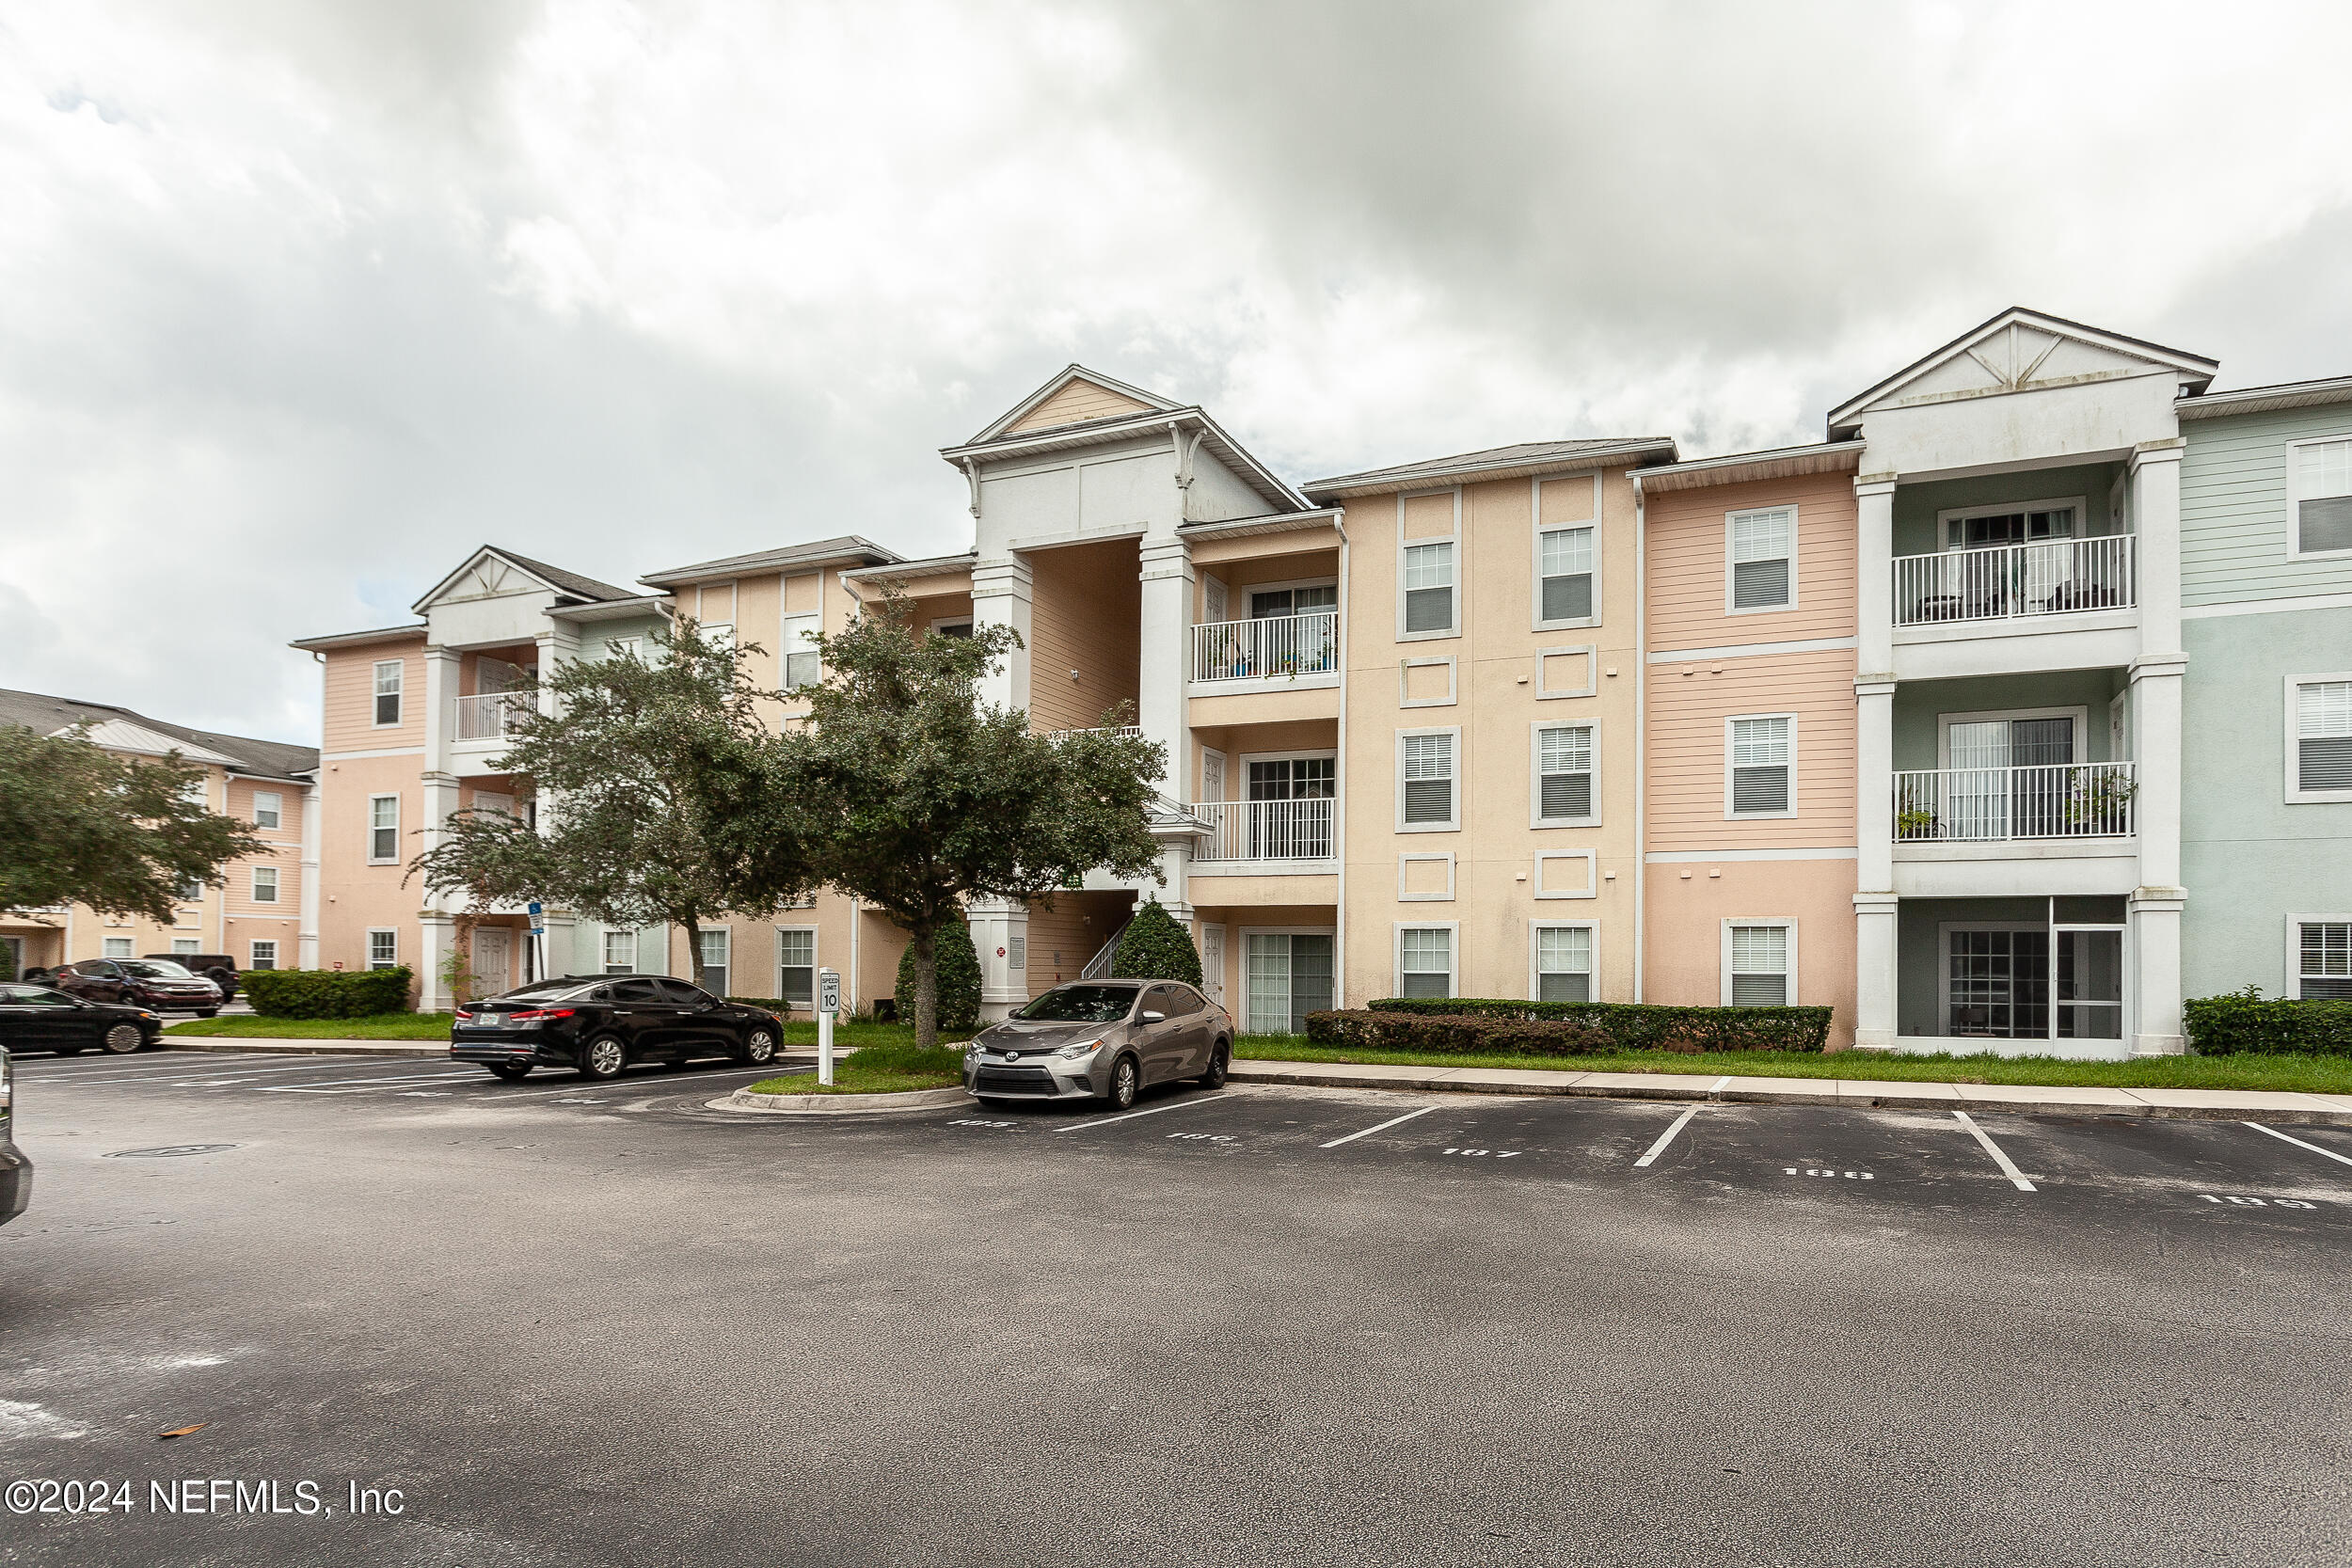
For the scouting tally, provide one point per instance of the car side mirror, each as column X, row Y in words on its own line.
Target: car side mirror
column 1154, row 1017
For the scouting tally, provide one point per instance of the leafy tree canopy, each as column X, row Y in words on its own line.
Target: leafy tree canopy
column 1155, row 947
column 644, row 760
column 121, row 835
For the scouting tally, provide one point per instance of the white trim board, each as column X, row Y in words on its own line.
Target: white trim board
column 1726, row 857
column 1754, row 650
column 2208, row 611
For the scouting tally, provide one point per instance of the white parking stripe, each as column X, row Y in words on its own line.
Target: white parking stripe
column 1382, row 1128
column 1719, row 1084
column 2298, row 1142
column 1171, row 1105
column 187, row 1075
column 333, row 1086
column 1666, row 1138
column 2009, row 1166
column 171, row 1062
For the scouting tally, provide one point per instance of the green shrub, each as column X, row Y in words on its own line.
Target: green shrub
column 8, row 962
column 1460, row 1034
column 1155, row 947
column 1634, row 1025
column 959, row 967
column 2246, row 1022
column 326, row 992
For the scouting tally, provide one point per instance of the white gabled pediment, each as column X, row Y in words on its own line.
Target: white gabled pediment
column 124, row 735
column 2024, row 351
column 485, row 575
column 1076, row 396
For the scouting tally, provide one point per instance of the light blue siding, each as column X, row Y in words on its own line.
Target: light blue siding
column 2234, row 536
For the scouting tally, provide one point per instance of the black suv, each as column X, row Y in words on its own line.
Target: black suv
column 599, row 1023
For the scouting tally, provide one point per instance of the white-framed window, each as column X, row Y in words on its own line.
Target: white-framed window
column 383, row 948
column 1567, row 576
column 1425, row 959
column 1760, row 765
column 802, row 664
column 626, row 647
column 620, row 952
column 1761, row 559
column 1560, row 954
column 383, row 830
column 1759, row 963
column 269, row 809
column 183, row 947
column 115, row 947
column 2319, row 738
column 266, row 884
column 958, row 626
column 1428, row 603
column 2319, row 497
column 261, row 953
column 716, row 947
column 1285, row 975
column 1990, row 525
column 796, row 965
column 1566, row 790
column 192, row 891
column 1428, row 773
column 2319, row 957
column 389, row 677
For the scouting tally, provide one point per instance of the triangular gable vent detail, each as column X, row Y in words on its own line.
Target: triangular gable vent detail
column 2020, row 351
column 1076, row 396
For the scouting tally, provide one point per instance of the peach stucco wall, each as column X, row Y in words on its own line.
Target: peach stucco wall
column 1687, row 905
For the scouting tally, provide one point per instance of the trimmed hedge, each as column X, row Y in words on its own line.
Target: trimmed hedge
column 957, row 967
column 1623, row 1025
column 1154, row 947
column 327, row 992
column 2246, row 1023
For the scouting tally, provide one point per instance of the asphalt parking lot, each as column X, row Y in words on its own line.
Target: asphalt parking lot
column 603, row 1323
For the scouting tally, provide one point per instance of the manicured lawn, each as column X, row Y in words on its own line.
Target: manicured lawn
column 802, row 1035
column 2309, row 1074
column 881, row 1067
column 376, row 1026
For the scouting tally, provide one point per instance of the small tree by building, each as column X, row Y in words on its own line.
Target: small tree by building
column 646, row 761
column 121, row 835
column 958, row 978
column 1155, row 947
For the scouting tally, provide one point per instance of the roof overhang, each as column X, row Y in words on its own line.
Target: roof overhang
column 2196, row 370
column 1478, row 467
column 1741, row 466
column 2262, row 400
column 1099, row 432
column 355, row 639
column 129, row 735
column 1279, row 522
column 793, row 558
column 613, row 610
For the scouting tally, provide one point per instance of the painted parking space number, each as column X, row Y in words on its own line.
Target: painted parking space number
column 1849, row 1174
column 969, row 1122
column 2258, row 1202
column 1203, row 1137
column 1485, row 1153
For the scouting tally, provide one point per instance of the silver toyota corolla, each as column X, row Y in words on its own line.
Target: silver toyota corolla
column 1104, row 1039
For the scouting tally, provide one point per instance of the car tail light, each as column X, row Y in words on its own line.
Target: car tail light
column 464, row 1017
column 540, row 1015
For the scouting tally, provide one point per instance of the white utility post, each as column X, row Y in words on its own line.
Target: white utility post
column 828, row 1003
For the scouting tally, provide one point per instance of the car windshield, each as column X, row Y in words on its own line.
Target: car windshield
column 154, row 969
column 1081, row 1005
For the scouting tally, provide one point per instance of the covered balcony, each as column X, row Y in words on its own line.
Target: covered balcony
column 1271, row 647
column 1262, row 830
column 491, row 715
column 2002, row 582
column 1985, row 805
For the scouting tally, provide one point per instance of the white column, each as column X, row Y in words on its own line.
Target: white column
column 2156, row 678
column 307, row 930
column 1875, row 905
column 437, row 936
column 1000, row 934
column 1001, row 597
column 1166, row 629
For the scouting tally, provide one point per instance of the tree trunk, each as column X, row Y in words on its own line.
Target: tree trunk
column 693, row 948
column 927, row 987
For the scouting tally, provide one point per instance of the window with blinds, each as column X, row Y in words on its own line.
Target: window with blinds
column 1760, row 541
column 1568, row 574
column 1429, row 587
column 1427, row 767
column 2325, row 961
column 1424, row 962
column 383, row 828
column 2323, row 498
column 389, row 679
column 715, row 950
column 1563, row 963
column 620, row 952
column 796, row 966
column 803, row 665
column 1760, row 766
column 1759, row 966
column 2322, row 736
column 1563, row 773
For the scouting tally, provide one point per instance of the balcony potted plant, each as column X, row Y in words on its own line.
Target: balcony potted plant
column 2101, row 804
column 1918, row 822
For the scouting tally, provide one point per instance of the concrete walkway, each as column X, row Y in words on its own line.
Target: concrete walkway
column 2217, row 1104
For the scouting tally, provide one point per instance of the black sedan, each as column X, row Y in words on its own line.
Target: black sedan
column 599, row 1023
column 16, row 1172
column 39, row 1018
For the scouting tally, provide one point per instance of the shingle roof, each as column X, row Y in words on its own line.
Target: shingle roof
column 1525, row 454
column 835, row 548
column 47, row 715
column 571, row 583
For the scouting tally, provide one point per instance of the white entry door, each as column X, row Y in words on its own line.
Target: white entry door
column 493, row 960
column 1213, row 962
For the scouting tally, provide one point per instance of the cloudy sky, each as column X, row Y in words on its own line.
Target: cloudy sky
column 302, row 299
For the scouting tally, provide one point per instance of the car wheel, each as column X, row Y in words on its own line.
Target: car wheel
column 1220, row 1061
column 123, row 1038
column 758, row 1048
column 1126, row 1079
column 603, row 1058
column 514, row 1072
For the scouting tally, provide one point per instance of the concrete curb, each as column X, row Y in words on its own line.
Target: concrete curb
column 271, row 1047
column 744, row 1102
column 2195, row 1104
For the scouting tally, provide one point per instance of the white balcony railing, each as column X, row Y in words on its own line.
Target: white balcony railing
column 1269, row 648
column 1265, row 830
column 2052, row 578
column 2077, row 800
column 491, row 715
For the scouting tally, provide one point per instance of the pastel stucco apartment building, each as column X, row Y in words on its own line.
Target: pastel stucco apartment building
column 262, row 914
column 1923, row 722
